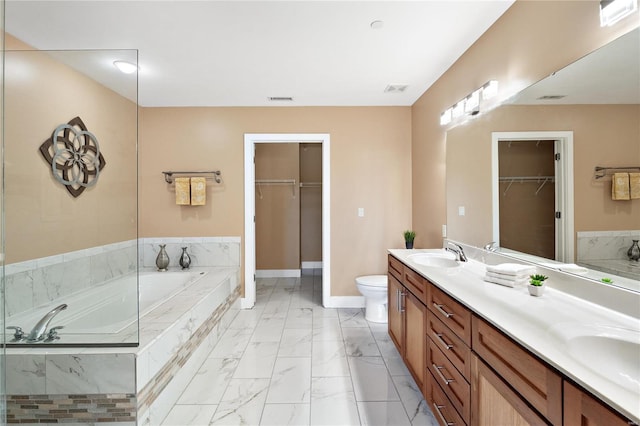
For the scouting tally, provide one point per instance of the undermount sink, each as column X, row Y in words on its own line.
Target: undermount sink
column 435, row 259
column 613, row 352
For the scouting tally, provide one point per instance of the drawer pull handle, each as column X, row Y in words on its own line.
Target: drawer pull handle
column 438, row 407
column 442, row 342
column 442, row 311
column 402, row 296
column 444, row 379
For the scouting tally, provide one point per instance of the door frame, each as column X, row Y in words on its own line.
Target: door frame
column 250, row 141
column 564, row 186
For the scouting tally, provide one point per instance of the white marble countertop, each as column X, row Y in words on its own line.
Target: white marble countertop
column 538, row 323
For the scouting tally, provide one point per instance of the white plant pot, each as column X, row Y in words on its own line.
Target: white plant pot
column 535, row 290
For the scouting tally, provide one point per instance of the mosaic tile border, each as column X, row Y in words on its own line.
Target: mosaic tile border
column 53, row 409
column 156, row 385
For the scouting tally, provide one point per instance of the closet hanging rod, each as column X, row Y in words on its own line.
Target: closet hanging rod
column 275, row 181
column 168, row 176
column 525, row 178
column 603, row 171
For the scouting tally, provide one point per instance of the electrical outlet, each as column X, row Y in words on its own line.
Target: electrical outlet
column 360, row 211
column 444, row 231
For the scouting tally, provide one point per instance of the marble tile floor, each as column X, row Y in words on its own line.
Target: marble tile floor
column 289, row 361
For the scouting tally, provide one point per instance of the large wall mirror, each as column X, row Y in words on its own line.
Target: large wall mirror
column 589, row 112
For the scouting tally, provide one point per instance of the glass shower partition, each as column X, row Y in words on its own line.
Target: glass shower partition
column 70, row 198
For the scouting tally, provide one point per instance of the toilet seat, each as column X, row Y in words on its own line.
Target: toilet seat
column 372, row 280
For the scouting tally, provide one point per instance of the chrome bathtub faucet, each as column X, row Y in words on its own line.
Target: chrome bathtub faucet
column 39, row 330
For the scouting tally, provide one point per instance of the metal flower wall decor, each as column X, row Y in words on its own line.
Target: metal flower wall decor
column 74, row 155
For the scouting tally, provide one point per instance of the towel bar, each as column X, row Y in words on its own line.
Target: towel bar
column 168, row 176
column 602, row 171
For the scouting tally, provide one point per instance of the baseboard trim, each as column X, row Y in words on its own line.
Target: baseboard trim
column 278, row 273
column 312, row 265
column 345, row 302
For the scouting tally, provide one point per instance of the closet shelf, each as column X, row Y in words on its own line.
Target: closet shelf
column 541, row 180
column 292, row 182
column 310, row 184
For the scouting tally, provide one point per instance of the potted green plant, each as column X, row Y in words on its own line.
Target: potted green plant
column 409, row 236
column 536, row 284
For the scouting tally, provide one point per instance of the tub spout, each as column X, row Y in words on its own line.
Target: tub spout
column 40, row 328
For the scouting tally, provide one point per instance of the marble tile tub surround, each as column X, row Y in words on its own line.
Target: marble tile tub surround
column 204, row 251
column 617, row 299
column 600, row 245
column 163, row 333
column 38, row 282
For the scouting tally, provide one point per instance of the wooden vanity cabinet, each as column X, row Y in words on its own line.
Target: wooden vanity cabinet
column 408, row 317
column 537, row 383
column 582, row 409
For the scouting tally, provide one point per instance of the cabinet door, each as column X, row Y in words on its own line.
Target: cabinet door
column 395, row 292
column 581, row 408
column 415, row 337
column 493, row 402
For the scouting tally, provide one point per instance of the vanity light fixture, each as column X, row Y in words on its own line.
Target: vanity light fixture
column 612, row 11
column 126, row 67
column 445, row 117
column 470, row 105
column 489, row 90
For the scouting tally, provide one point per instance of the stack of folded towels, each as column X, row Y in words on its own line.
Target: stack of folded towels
column 509, row 274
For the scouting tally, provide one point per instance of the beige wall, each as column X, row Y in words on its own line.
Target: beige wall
column 277, row 207
column 603, row 135
column 311, row 202
column 370, row 168
column 531, row 40
column 41, row 217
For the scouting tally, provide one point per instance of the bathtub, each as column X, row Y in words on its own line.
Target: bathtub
column 112, row 307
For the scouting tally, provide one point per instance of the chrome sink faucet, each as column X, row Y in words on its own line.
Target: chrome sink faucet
column 39, row 330
column 457, row 250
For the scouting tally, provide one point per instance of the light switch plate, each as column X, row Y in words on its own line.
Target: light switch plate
column 460, row 210
column 360, row 211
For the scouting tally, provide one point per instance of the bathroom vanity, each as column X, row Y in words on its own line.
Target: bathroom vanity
column 485, row 354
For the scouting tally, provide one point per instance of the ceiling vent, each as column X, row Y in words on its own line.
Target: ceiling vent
column 280, row 98
column 551, row 97
column 395, row 88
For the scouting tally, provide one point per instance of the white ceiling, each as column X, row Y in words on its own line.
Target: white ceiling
column 239, row 53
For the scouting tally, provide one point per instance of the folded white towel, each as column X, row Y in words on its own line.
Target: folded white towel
column 507, row 283
column 511, row 269
column 518, row 279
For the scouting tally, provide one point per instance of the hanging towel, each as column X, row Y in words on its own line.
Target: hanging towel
column 634, row 186
column 620, row 186
column 511, row 269
column 198, row 191
column 183, row 197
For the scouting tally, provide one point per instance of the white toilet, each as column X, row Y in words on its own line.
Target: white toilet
column 374, row 290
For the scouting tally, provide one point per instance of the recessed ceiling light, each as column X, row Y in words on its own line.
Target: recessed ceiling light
column 126, row 67
column 376, row 25
column 396, row 88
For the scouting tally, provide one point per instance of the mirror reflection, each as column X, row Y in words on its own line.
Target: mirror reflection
column 595, row 105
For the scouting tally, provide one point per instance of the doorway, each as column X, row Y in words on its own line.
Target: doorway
column 532, row 181
column 250, row 142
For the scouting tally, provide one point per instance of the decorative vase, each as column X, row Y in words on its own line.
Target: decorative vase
column 535, row 290
column 162, row 260
column 185, row 259
column 634, row 251
column 408, row 244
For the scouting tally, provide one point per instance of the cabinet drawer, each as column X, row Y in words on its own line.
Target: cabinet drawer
column 530, row 377
column 440, row 405
column 451, row 345
column 395, row 268
column 453, row 314
column 450, row 380
column 416, row 284
column 581, row 408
